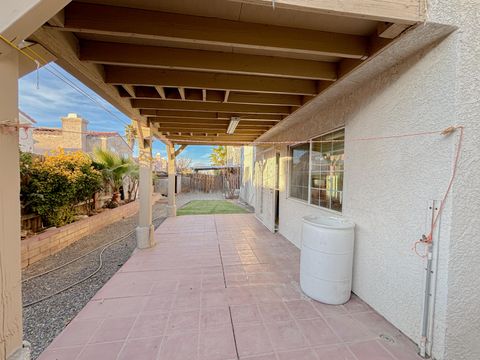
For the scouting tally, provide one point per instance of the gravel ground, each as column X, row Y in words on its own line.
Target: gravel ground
column 45, row 320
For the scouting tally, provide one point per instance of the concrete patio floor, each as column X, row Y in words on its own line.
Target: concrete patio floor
column 221, row 287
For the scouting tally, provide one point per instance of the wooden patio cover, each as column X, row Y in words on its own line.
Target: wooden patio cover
column 187, row 67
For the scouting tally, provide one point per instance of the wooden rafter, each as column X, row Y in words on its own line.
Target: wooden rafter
column 209, row 107
column 169, row 114
column 218, row 126
column 160, row 91
column 122, row 21
column 186, row 136
column 401, row 11
column 215, row 96
column 242, row 132
column 130, row 90
column 201, row 60
column 181, row 91
column 119, row 75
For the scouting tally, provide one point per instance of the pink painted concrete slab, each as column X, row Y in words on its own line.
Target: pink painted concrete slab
column 221, row 287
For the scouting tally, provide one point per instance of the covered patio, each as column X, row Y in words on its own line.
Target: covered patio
column 238, row 72
column 221, row 287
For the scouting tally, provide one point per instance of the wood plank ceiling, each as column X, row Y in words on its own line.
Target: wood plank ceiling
column 188, row 71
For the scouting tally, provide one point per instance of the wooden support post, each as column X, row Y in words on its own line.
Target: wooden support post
column 172, row 207
column 145, row 229
column 10, row 262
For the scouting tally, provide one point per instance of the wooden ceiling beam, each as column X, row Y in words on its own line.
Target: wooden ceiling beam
column 147, row 24
column 201, row 60
column 172, row 114
column 119, row 75
column 401, row 11
column 209, row 107
column 148, row 92
column 244, row 132
column 186, row 137
column 264, row 99
column 215, row 125
column 264, row 125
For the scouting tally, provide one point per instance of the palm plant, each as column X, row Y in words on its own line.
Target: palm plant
column 114, row 168
column 130, row 134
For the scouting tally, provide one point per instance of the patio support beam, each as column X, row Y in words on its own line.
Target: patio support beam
column 201, row 60
column 145, row 227
column 10, row 264
column 209, row 107
column 403, row 11
column 180, row 149
column 120, row 75
column 157, row 25
column 203, row 115
column 172, row 207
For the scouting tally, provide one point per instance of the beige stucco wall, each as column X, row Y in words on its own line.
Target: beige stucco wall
column 389, row 184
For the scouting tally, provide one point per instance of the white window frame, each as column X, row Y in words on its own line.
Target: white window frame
column 310, row 142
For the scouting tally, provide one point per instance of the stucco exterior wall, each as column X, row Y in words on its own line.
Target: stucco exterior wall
column 389, row 184
column 44, row 142
column 463, row 304
column 247, row 188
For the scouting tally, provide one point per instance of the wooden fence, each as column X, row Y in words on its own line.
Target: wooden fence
column 227, row 182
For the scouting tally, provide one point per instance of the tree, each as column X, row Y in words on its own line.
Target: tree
column 218, row 157
column 133, row 179
column 183, row 165
column 130, row 134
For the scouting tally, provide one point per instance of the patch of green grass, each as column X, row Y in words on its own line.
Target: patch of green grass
column 201, row 207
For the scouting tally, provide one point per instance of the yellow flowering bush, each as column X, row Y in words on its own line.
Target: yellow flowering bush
column 57, row 183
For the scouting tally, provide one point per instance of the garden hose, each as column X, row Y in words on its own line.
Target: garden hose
column 100, row 265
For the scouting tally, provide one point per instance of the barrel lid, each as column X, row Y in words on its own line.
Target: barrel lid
column 329, row 221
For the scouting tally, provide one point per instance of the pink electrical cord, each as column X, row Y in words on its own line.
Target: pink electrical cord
column 428, row 239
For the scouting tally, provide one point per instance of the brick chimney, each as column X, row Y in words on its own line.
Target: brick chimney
column 74, row 132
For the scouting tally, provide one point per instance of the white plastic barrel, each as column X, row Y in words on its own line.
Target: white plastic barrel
column 327, row 258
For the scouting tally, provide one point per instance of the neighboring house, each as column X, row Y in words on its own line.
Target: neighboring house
column 25, row 134
column 74, row 135
column 159, row 164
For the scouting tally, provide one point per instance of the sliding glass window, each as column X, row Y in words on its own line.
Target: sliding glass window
column 300, row 155
column 322, row 159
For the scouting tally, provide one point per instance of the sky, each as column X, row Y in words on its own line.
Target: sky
column 54, row 99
